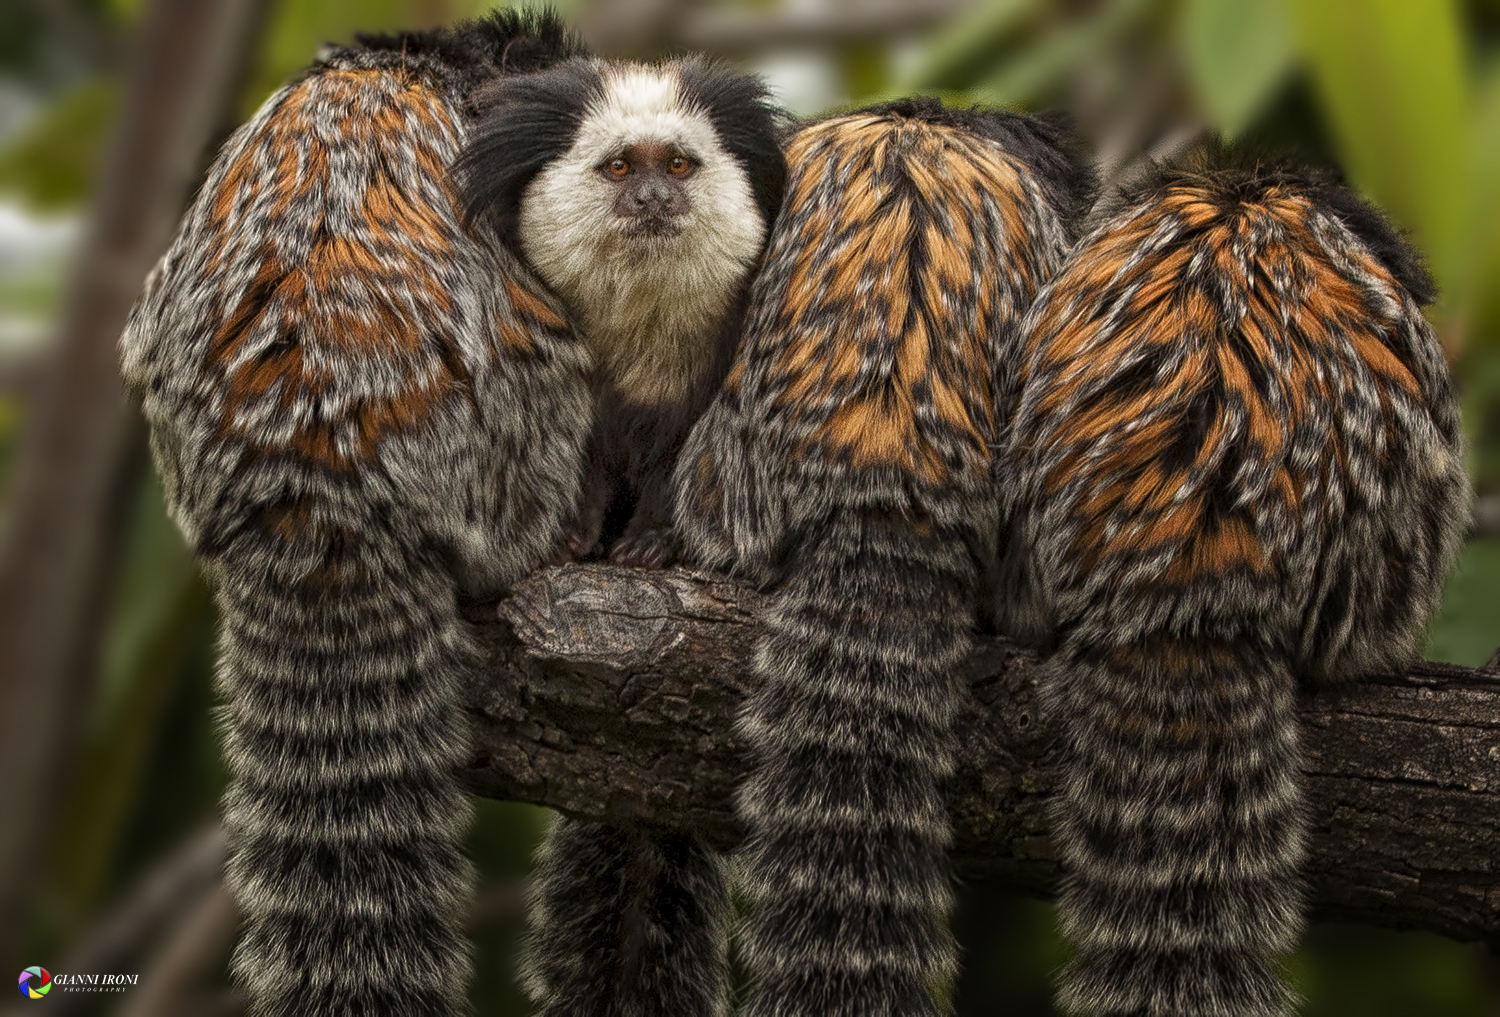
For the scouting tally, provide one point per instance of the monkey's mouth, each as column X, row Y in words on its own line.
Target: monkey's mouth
column 655, row 226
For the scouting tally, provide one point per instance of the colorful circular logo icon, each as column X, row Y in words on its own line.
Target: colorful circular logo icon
column 35, row 983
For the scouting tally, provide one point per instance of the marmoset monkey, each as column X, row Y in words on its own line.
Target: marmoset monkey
column 1234, row 463
column 642, row 195
column 360, row 406
column 846, row 466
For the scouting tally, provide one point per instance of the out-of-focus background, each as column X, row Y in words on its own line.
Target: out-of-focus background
column 109, row 110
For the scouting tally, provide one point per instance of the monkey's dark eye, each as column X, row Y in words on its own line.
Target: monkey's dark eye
column 680, row 165
column 617, row 167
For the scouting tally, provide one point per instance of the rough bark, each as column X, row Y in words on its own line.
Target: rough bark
column 610, row 694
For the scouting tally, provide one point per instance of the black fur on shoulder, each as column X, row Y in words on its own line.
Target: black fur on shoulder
column 1400, row 257
column 1241, row 176
column 747, row 121
column 525, row 122
column 1045, row 142
column 472, row 52
column 503, row 41
column 1048, row 143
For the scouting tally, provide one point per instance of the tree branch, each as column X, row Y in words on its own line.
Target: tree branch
column 610, row 694
column 740, row 33
column 646, row 28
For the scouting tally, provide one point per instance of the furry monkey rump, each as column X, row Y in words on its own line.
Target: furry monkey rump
column 1236, row 465
column 360, row 407
column 846, row 465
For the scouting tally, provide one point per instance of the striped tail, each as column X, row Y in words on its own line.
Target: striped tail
column 343, row 733
column 850, row 735
column 626, row 923
column 1180, row 825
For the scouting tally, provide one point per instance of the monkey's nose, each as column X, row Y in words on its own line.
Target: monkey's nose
column 654, row 199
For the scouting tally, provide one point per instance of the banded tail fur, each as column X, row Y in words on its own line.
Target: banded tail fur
column 846, row 465
column 1235, row 463
column 360, row 407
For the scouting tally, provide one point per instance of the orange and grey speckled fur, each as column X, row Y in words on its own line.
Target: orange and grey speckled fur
column 360, row 407
column 1234, row 465
column 846, row 465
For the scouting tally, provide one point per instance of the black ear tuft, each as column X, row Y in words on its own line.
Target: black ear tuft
column 525, row 122
column 747, row 121
column 523, row 41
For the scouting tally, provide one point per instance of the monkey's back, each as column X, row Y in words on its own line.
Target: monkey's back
column 359, row 406
column 847, row 462
column 1236, row 418
column 910, row 244
column 324, row 326
column 1235, row 461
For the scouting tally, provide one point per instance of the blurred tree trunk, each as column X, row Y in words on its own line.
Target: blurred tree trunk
column 80, row 452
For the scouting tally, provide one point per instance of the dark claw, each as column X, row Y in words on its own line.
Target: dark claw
column 576, row 544
column 651, row 549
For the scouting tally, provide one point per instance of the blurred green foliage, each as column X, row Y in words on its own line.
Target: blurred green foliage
column 52, row 165
column 300, row 28
column 1237, row 56
column 1404, row 96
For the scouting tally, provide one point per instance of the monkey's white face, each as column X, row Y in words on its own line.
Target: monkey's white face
column 646, row 220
